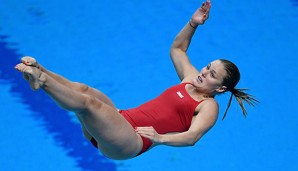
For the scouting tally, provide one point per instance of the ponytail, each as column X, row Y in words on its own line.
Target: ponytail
column 230, row 81
column 241, row 96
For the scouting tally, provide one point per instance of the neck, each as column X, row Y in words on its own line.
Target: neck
column 198, row 93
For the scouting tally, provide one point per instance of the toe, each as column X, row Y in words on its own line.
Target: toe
column 18, row 67
column 27, row 60
column 22, row 67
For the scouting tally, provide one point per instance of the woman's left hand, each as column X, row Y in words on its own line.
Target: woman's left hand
column 150, row 133
column 202, row 14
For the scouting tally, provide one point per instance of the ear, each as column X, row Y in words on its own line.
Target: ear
column 221, row 89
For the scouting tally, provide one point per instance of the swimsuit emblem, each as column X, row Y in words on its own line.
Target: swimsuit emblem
column 180, row 94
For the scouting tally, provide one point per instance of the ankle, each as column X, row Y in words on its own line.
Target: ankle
column 42, row 79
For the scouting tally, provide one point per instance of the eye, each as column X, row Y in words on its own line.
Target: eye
column 208, row 66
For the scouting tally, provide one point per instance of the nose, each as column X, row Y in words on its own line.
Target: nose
column 205, row 73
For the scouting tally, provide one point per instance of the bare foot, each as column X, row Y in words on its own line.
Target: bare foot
column 33, row 74
column 29, row 61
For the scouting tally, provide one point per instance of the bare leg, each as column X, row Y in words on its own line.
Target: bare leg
column 30, row 61
column 115, row 136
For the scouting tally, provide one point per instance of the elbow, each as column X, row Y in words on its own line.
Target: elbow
column 179, row 46
column 173, row 50
column 193, row 141
column 191, row 144
column 177, row 51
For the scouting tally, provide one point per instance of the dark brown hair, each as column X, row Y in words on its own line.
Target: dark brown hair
column 230, row 81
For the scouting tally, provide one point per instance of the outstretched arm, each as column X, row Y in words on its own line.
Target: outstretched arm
column 182, row 41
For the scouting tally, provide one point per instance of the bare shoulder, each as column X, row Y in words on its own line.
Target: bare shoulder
column 208, row 103
column 207, row 114
column 209, row 108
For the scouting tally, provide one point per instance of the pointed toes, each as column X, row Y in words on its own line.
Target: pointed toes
column 28, row 60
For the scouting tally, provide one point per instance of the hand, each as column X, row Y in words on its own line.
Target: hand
column 150, row 133
column 202, row 14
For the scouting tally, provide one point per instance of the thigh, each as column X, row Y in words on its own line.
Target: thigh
column 92, row 92
column 115, row 136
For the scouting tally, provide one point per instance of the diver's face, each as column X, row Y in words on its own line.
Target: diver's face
column 210, row 78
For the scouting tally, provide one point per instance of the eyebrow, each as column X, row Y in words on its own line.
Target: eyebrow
column 213, row 70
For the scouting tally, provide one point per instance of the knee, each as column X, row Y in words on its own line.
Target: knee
column 81, row 87
column 92, row 102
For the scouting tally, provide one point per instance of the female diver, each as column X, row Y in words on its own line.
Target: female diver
column 180, row 116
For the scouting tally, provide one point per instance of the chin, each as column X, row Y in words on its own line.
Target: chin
column 194, row 83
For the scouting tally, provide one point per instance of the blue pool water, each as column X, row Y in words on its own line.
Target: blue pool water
column 122, row 48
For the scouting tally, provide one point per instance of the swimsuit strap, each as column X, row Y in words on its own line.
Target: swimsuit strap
column 191, row 97
column 186, row 83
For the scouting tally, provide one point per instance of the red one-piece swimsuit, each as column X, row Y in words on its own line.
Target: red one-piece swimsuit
column 172, row 111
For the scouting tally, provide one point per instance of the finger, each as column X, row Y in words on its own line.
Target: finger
column 207, row 11
column 202, row 10
column 208, row 6
column 145, row 132
column 145, row 128
column 146, row 136
column 205, row 8
column 149, row 132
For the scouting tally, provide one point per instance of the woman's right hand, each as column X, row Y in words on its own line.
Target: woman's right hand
column 202, row 14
